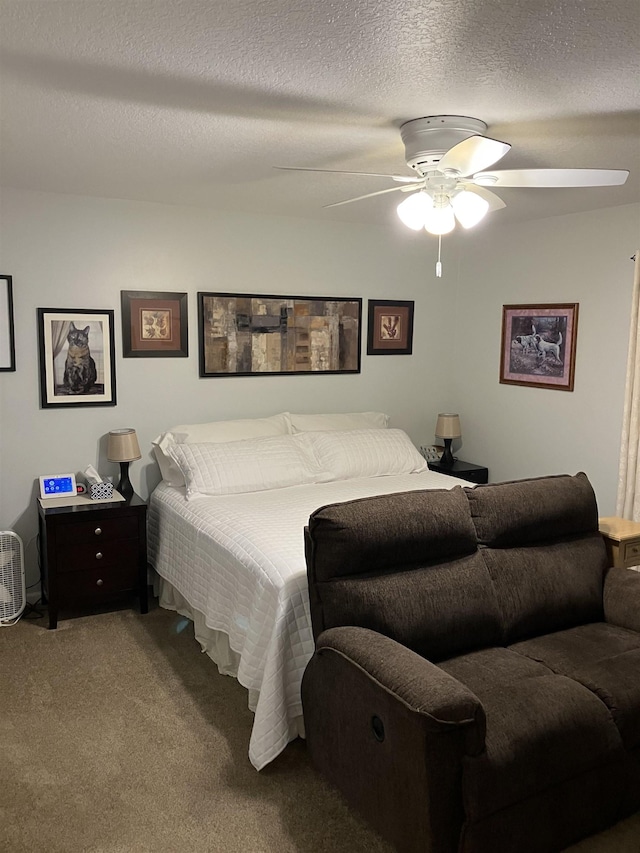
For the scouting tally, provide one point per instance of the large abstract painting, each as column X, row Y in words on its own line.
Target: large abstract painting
column 248, row 335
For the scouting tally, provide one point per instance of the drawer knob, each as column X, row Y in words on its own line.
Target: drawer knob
column 99, row 555
column 99, row 582
column 98, row 531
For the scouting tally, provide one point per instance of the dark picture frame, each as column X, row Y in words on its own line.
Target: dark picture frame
column 390, row 327
column 538, row 345
column 154, row 324
column 242, row 334
column 67, row 377
column 7, row 334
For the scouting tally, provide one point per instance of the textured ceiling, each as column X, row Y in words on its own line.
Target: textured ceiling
column 192, row 102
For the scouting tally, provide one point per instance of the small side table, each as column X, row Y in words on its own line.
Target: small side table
column 622, row 538
column 463, row 470
column 92, row 552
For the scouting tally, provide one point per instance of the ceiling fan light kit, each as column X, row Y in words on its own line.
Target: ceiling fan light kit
column 450, row 155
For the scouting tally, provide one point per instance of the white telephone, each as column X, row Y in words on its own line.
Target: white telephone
column 432, row 453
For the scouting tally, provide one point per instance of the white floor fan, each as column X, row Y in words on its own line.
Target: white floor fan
column 13, row 593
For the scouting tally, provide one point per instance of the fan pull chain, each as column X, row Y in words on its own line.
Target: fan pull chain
column 438, row 263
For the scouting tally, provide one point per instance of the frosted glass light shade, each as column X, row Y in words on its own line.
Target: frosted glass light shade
column 440, row 220
column 413, row 210
column 469, row 208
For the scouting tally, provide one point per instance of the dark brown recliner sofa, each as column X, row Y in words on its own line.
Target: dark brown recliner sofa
column 476, row 680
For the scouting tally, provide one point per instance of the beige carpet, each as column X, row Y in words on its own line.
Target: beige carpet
column 118, row 735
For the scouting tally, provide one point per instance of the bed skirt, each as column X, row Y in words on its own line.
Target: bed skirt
column 215, row 644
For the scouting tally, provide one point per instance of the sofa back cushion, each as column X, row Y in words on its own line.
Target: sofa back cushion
column 543, row 552
column 405, row 565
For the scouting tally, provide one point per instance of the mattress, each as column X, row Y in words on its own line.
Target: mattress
column 235, row 565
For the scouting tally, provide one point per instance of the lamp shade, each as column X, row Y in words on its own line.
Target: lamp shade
column 448, row 426
column 123, row 446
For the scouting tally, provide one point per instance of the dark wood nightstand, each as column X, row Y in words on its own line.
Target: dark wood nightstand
column 463, row 470
column 92, row 552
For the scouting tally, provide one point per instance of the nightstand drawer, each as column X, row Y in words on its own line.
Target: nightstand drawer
column 479, row 477
column 77, row 532
column 80, row 558
column 630, row 552
column 96, row 583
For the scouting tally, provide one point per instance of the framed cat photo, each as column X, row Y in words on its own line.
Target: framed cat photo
column 154, row 324
column 77, row 358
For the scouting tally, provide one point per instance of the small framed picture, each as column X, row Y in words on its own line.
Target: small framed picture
column 77, row 359
column 390, row 327
column 539, row 345
column 7, row 341
column 154, row 324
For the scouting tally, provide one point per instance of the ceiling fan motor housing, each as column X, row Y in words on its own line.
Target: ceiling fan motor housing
column 427, row 140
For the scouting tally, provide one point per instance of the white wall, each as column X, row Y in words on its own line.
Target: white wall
column 71, row 252
column 520, row 431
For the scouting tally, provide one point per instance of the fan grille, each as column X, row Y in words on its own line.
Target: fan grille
column 13, row 596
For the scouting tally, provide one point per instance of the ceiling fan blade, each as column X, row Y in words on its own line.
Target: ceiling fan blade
column 473, row 154
column 552, row 178
column 369, row 195
column 402, row 179
column 495, row 202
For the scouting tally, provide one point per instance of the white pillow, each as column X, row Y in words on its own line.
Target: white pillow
column 366, row 453
column 340, row 421
column 214, row 432
column 246, row 466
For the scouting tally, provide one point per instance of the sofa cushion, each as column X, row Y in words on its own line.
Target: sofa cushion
column 549, row 587
column 405, row 565
column 541, row 732
column 386, row 532
column 602, row 657
column 484, row 670
column 524, row 512
column 437, row 611
column 545, row 556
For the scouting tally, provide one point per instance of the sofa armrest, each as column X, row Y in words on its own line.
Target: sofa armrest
column 416, row 682
column 622, row 598
column 391, row 731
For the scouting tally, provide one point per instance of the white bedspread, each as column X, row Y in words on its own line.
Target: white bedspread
column 239, row 561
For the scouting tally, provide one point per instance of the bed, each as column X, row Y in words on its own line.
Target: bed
column 226, row 540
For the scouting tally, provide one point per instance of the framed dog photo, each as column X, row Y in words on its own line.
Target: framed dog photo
column 390, row 327
column 154, row 324
column 77, row 359
column 539, row 345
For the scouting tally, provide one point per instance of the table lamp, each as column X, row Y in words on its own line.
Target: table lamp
column 123, row 447
column 448, row 428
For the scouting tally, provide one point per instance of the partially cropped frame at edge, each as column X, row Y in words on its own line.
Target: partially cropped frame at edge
column 7, row 339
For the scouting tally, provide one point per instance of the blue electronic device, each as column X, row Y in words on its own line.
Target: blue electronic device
column 58, row 486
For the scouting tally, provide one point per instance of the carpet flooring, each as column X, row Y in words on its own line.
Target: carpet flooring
column 119, row 736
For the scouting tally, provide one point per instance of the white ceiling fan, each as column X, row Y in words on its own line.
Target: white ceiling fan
column 451, row 158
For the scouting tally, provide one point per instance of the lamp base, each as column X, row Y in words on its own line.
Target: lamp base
column 124, row 486
column 447, row 456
